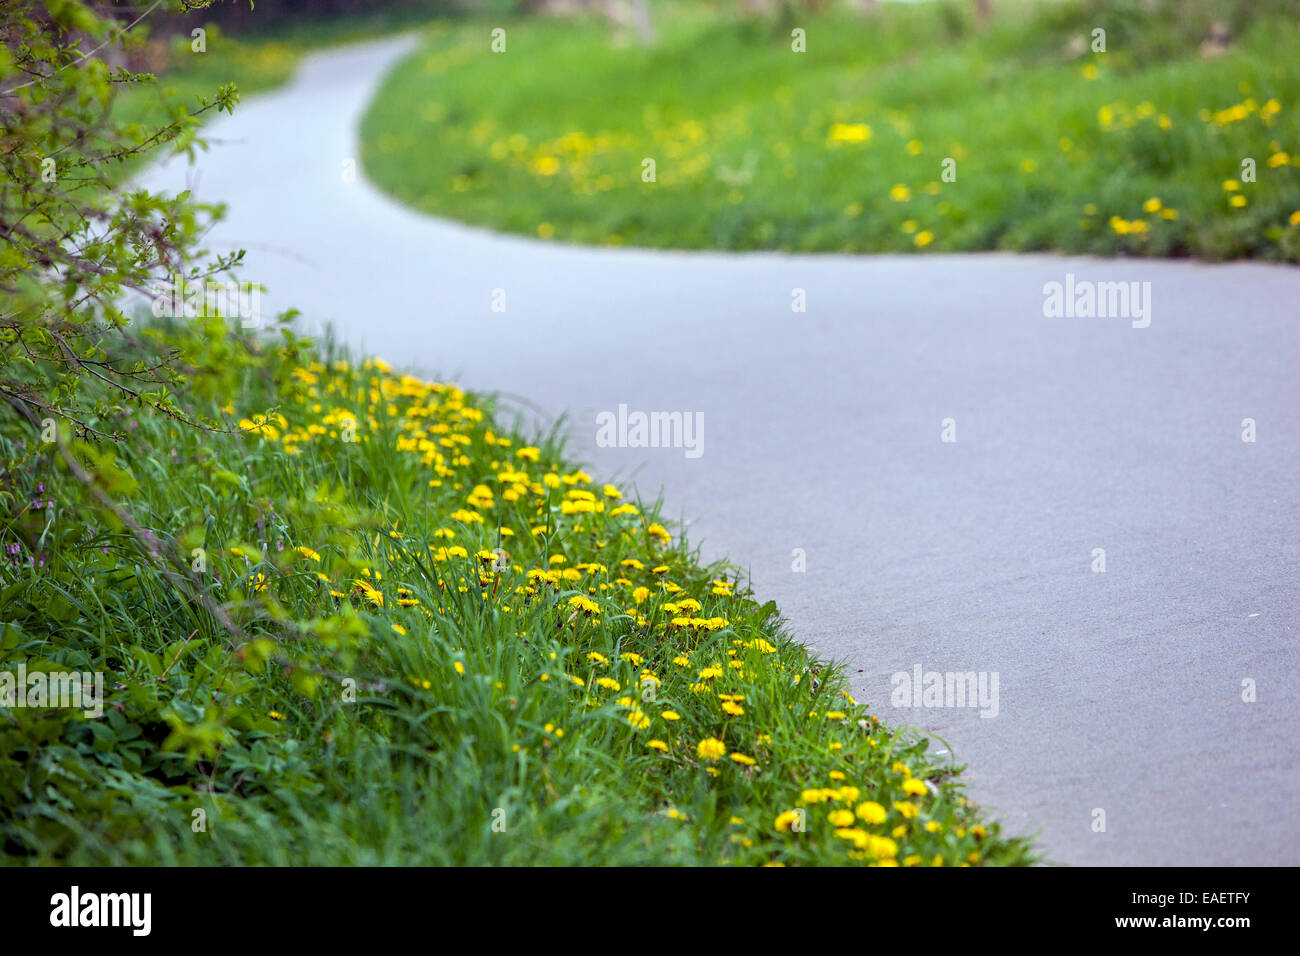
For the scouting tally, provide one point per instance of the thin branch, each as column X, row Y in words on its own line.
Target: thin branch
column 86, row 56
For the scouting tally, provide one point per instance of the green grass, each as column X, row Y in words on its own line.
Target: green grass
column 379, row 697
column 1056, row 147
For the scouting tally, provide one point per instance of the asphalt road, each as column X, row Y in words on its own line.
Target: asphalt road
column 1119, row 691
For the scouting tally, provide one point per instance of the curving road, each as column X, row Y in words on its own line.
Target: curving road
column 1119, row 691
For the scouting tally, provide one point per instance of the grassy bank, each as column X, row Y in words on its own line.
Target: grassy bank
column 338, row 667
column 1135, row 150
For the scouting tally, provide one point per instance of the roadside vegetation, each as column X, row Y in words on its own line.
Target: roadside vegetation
column 362, row 619
column 1137, row 150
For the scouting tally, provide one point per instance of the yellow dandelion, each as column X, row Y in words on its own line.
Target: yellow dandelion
column 710, row 748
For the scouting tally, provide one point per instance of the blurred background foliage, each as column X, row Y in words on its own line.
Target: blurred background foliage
column 1180, row 21
column 1149, row 31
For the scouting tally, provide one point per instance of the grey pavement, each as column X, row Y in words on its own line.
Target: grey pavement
column 1119, row 691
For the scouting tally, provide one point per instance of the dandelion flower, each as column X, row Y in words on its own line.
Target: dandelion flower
column 871, row 812
column 850, row 132
column 710, row 748
column 786, row 820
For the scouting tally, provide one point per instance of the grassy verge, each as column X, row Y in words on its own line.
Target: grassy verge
column 336, row 671
column 1137, row 150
